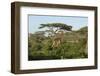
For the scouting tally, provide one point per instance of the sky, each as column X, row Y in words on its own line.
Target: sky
column 76, row 22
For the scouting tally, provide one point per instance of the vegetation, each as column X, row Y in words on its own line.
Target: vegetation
column 59, row 41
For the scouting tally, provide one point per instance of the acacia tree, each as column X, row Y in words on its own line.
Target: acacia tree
column 55, row 31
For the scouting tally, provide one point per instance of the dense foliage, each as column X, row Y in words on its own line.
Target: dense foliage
column 74, row 45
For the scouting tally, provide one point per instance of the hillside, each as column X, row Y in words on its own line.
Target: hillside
column 73, row 46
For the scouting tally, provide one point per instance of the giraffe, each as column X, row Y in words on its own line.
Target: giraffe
column 57, row 39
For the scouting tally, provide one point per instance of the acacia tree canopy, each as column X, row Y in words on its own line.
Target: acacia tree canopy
column 53, row 28
column 59, row 26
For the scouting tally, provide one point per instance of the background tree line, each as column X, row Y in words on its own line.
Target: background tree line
column 42, row 45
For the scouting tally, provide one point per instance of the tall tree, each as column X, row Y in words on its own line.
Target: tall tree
column 56, row 32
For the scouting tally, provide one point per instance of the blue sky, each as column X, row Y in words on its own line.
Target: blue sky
column 75, row 21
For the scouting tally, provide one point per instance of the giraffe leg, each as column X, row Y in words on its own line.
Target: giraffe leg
column 58, row 43
column 53, row 44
